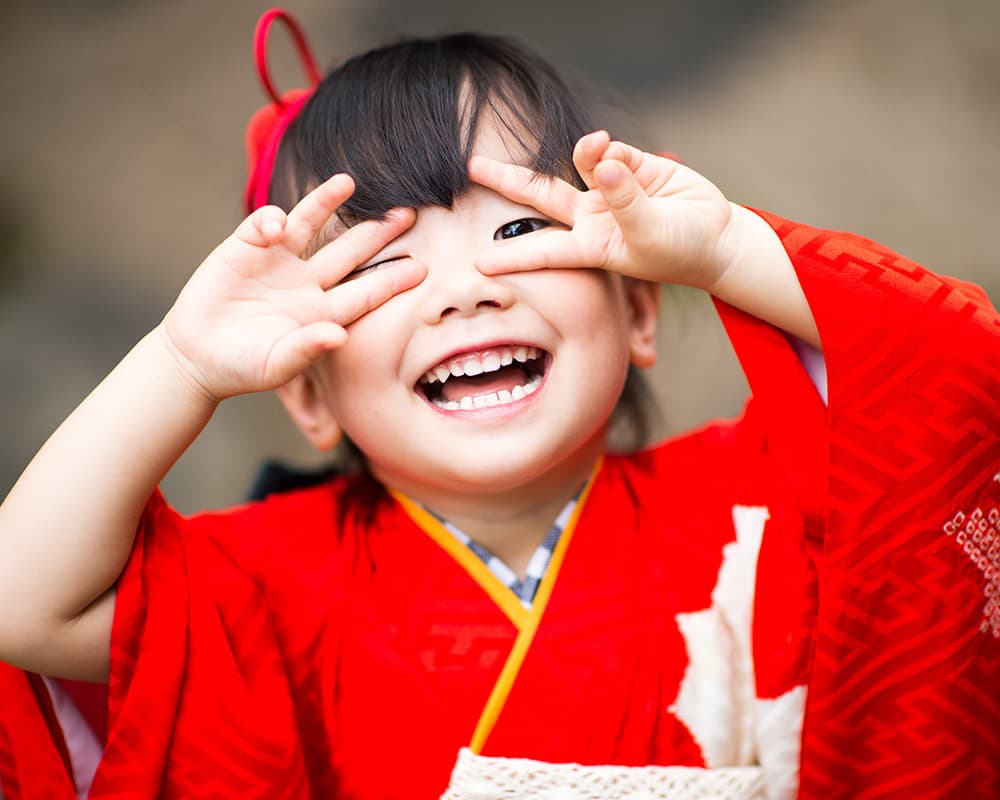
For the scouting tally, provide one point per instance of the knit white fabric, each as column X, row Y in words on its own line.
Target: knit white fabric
column 488, row 778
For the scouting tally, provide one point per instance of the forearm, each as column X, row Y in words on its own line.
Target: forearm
column 67, row 526
column 760, row 278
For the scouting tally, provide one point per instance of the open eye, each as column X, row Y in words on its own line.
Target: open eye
column 519, row 227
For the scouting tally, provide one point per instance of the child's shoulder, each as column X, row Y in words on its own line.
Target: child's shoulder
column 718, row 454
column 282, row 507
column 706, row 441
column 696, row 492
column 292, row 525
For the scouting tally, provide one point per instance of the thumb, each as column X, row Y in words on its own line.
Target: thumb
column 296, row 350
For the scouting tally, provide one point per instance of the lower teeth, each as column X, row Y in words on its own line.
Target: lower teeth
column 501, row 398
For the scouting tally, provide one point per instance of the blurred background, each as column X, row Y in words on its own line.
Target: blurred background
column 122, row 163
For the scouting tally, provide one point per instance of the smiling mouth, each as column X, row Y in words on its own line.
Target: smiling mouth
column 494, row 377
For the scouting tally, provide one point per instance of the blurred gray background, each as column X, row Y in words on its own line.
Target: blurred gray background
column 123, row 165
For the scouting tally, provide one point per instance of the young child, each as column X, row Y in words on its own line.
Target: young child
column 803, row 601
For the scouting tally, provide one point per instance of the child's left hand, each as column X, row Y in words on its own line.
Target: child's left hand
column 643, row 215
column 651, row 218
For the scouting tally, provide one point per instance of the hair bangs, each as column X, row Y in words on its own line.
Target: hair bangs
column 402, row 120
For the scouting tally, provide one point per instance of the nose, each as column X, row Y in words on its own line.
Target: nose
column 456, row 288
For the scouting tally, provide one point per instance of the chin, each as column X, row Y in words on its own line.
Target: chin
column 503, row 469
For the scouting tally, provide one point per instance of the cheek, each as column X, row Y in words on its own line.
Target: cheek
column 581, row 303
column 376, row 340
column 589, row 311
column 360, row 369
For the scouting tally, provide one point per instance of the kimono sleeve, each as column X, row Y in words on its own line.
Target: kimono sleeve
column 902, row 492
column 34, row 759
column 206, row 689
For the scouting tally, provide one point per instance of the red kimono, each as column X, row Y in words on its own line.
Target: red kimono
column 832, row 567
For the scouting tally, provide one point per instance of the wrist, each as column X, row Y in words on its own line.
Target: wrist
column 757, row 276
column 731, row 251
column 171, row 367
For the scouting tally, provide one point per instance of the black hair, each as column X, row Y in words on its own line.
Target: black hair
column 402, row 121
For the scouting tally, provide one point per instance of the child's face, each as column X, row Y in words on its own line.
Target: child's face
column 544, row 356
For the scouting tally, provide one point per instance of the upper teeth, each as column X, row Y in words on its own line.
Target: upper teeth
column 478, row 363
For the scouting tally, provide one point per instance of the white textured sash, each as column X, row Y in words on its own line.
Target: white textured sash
column 489, row 778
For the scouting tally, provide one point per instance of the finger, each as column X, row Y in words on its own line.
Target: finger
column 588, row 152
column 358, row 244
column 263, row 227
column 354, row 299
column 314, row 210
column 298, row 349
column 631, row 207
column 652, row 171
column 553, row 197
column 630, row 156
column 554, row 250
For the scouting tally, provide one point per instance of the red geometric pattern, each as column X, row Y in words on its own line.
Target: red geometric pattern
column 904, row 697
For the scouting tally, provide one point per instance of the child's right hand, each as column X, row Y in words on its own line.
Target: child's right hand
column 258, row 311
column 255, row 314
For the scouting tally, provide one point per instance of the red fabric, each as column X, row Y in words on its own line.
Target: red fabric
column 48, row 712
column 309, row 662
column 904, row 692
column 33, row 758
column 91, row 699
column 262, row 140
column 262, row 653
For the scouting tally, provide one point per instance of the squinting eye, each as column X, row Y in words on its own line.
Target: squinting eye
column 519, row 227
column 359, row 271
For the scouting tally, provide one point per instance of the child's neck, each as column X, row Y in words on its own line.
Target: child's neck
column 511, row 534
column 510, row 524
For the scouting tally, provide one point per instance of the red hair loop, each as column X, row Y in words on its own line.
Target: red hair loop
column 268, row 125
column 260, row 34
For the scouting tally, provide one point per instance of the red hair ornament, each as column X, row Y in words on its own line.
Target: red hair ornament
column 268, row 125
